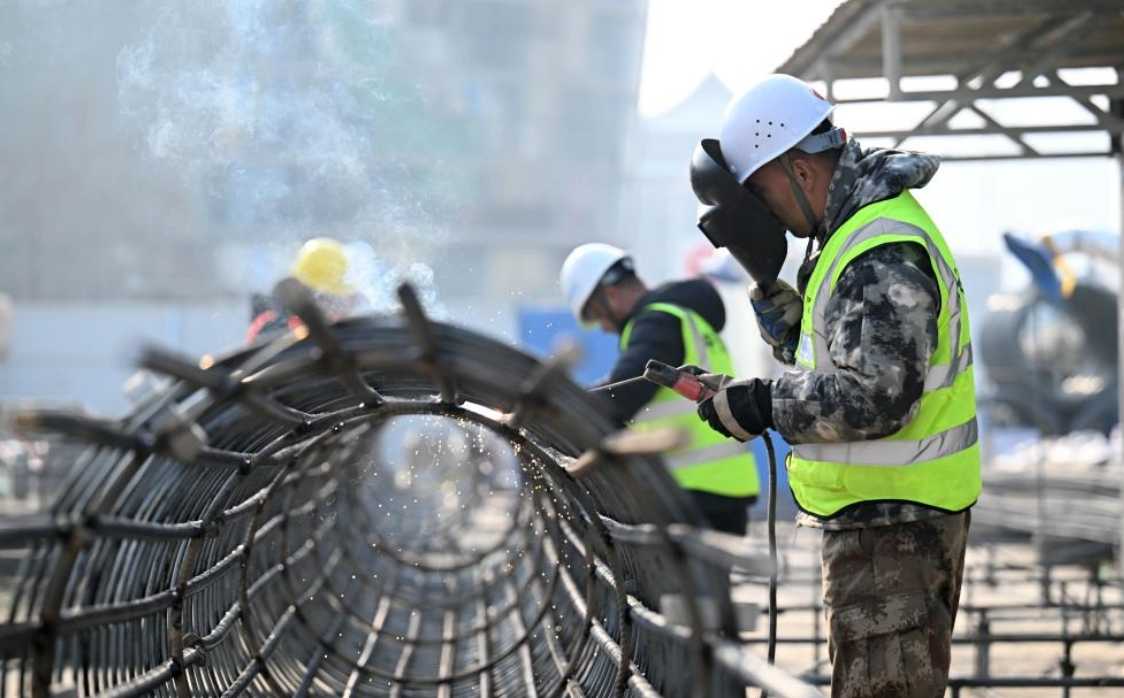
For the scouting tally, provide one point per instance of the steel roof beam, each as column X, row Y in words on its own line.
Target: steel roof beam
column 864, row 67
column 999, row 128
column 848, row 36
column 1025, row 156
column 1017, row 50
column 993, row 128
column 965, row 93
column 949, row 108
column 1064, row 40
column 1013, row 8
column 1106, row 119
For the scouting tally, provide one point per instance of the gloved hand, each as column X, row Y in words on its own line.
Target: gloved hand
column 778, row 308
column 742, row 410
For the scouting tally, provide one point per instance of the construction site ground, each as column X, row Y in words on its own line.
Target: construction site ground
column 1014, row 581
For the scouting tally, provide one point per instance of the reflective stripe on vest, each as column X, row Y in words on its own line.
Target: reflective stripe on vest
column 933, row 459
column 710, row 462
column 890, row 454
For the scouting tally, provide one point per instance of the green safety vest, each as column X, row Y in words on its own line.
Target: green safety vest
column 710, row 462
column 935, row 458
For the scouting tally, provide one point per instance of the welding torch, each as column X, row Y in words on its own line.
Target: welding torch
column 690, row 385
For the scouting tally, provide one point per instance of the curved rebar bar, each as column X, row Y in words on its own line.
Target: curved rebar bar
column 380, row 507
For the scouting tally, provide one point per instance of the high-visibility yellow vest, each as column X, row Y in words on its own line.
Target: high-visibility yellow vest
column 935, row 458
column 710, row 462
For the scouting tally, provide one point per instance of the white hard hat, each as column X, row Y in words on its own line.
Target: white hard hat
column 583, row 270
column 771, row 117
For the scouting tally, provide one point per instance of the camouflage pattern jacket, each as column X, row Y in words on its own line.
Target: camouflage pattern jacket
column 881, row 327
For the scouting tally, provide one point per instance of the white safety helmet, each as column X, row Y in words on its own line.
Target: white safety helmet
column 583, row 271
column 771, row 117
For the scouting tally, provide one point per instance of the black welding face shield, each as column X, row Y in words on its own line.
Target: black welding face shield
column 731, row 216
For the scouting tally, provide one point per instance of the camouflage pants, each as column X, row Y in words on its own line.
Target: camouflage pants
column 891, row 595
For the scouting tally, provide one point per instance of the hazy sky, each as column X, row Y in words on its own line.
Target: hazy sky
column 974, row 203
column 734, row 39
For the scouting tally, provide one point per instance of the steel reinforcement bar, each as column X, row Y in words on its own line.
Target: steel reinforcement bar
column 383, row 506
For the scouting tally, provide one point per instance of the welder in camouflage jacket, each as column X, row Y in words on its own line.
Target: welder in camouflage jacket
column 879, row 403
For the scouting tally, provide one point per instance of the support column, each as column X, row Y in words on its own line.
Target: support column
column 892, row 49
column 1116, row 107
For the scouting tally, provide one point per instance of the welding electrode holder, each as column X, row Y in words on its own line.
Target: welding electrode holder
column 691, row 385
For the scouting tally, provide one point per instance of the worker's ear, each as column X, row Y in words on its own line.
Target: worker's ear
column 803, row 168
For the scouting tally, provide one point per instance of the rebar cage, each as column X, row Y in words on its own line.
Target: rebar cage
column 383, row 506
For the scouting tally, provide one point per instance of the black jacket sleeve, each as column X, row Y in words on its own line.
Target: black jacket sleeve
column 655, row 335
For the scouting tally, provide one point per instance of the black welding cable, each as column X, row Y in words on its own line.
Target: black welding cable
column 772, row 524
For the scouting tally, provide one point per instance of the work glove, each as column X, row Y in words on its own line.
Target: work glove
column 778, row 308
column 741, row 410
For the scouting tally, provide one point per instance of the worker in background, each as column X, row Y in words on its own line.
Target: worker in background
column 322, row 266
column 879, row 405
column 677, row 323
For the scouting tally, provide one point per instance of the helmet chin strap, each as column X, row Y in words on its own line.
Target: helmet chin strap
column 805, row 206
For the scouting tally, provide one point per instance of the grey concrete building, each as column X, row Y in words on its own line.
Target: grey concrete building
column 162, row 161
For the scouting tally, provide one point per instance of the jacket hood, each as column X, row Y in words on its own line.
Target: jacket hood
column 694, row 294
column 866, row 175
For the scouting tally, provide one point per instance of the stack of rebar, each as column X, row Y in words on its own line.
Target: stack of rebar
column 1061, row 492
column 383, row 506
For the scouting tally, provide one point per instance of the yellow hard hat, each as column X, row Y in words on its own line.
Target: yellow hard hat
column 321, row 265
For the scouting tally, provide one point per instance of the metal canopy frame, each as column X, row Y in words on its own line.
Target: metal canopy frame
column 1025, row 42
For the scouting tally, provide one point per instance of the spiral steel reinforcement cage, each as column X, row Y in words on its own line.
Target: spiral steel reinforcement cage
column 381, row 506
